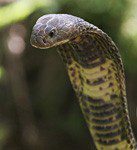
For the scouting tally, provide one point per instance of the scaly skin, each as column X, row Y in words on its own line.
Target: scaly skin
column 96, row 72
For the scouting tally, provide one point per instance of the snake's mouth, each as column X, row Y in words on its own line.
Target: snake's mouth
column 42, row 42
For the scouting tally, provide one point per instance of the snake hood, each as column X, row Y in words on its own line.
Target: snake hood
column 55, row 29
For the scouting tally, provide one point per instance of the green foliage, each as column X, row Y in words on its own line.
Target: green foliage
column 18, row 11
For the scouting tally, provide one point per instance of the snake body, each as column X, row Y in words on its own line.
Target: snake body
column 96, row 72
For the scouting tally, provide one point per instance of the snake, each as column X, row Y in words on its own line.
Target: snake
column 96, row 72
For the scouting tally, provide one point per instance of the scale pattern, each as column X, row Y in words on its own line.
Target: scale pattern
column 96, row 72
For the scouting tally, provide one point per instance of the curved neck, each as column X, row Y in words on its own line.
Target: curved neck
column 96, row 73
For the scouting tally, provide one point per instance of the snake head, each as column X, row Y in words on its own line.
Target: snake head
column 54, row 29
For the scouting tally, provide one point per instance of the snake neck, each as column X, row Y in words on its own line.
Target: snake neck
column 96, row 72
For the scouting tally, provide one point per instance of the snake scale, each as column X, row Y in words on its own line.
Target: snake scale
column 96, row 72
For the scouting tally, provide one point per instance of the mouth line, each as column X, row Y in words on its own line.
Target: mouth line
column 39, row 41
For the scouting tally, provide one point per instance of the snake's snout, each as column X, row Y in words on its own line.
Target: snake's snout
column 37, row 40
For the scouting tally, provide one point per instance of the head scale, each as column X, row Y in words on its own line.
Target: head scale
column 54, row 29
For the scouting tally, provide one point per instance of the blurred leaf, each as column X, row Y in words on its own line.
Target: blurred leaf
column 1, row 72
column 20, row 10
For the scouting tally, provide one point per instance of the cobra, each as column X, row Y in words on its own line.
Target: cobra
column 96, row 72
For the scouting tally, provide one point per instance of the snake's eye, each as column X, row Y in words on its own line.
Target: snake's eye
column 52, row 33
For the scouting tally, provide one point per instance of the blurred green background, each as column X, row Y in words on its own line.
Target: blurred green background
column 38, row 108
